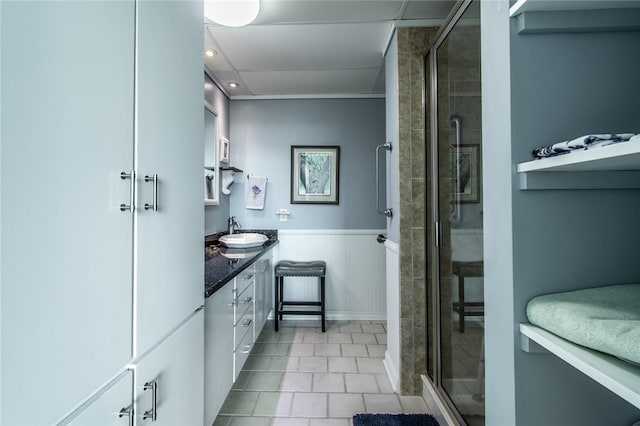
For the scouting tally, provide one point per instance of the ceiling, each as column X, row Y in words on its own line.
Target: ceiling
column 313, row 48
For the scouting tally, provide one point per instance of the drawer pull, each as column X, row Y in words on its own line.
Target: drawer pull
column 246, row 349
column 247, row 299
column 247, row 322
column 248, row 277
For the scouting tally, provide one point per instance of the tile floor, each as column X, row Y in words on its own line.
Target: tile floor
column 303, row 377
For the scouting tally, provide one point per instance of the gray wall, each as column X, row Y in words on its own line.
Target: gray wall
column 215, row 217
column 393, row 136
column 261, row 135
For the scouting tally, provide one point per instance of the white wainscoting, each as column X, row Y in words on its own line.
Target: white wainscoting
column 355, row 281
column 392, row 354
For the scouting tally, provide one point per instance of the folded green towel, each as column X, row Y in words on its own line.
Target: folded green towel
column 603, row 318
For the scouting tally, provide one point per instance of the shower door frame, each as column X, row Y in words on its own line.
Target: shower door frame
column 434, row 242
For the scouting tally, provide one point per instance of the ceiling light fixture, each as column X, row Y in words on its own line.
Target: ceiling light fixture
column 233, row 85
column 232, row 13
column 210, row 53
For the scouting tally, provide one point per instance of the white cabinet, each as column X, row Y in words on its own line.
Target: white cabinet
column 243, row 318
column 219, row 331
column 173, row 371
column 263, row 290
column 116, row 87
column 103, row 408
column 169, row 138
column 67, row 126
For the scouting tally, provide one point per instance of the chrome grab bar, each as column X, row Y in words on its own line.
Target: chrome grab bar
column 387, row 212
column 153, row 179
column 455, row 214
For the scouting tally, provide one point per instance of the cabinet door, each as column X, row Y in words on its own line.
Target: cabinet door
column 110, row 407
column 169, row 143
column 176, row 369
column 219, row 332
column 263, row 290
column 67, row 126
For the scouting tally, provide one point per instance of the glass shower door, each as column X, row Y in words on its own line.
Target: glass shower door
column 457, row 348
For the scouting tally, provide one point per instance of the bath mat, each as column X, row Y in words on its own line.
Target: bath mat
column 394, row 420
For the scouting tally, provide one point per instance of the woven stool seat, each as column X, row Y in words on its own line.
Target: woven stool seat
column 292, row 268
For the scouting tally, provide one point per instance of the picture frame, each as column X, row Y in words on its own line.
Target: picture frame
column 315, row 174
column 465, row 171
column 223, row 152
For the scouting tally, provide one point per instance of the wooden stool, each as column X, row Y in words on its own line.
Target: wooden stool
column 290, row 268
column 462, row 270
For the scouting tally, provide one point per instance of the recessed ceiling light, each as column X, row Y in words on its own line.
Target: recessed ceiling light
column 233, row 85
column 210, row 53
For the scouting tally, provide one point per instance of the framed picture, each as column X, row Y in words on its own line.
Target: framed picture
column 315, row 174
column 224, row 150
column 465, row 169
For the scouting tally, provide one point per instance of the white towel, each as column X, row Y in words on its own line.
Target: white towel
column 256, row 189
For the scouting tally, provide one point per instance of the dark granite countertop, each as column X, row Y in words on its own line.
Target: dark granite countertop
column 219, row 269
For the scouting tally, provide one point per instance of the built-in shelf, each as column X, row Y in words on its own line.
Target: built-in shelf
column 620, row 377
column 614, row 166
column 562, row 16
column 522, row 6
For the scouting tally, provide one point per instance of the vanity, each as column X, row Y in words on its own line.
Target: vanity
column 238, row 284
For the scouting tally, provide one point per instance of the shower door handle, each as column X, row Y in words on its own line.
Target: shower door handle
column 455, row 214
column 387, row 212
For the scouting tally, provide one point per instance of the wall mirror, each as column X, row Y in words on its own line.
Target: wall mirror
column 211, row 166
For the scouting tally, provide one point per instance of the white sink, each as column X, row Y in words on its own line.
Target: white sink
column 243, row 240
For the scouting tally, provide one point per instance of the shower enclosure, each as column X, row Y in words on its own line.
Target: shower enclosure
column 453, row 147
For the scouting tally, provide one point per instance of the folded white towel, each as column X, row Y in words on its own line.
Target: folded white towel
column 256, row 189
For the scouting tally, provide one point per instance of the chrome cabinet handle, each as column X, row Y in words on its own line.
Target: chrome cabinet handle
column 153, row 413
column 246, row 349
column 234, row 303
column 247, row 322
column 128, row 411
column 132, row 191
column 247, row 277
column 154, row 205
column 247, row 299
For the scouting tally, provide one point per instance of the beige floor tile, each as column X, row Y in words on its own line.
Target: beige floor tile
column 250, row 421
column 345, row 405
column 342, row 365
column 292, row 363
column 315, row 338
column 329, row 422
column 289, row 421
column 302, row 349
column 372, row 328
column 413, row 404
column 376, row 351
column 264, row 381
column 350, row 349
column 313, row 364
column 239, row 403
column 351, row 327
column 361, row 383
column 327, row 349
column 382, row 403
column 279, row 349
column 364, row 338
column 370, row 365
column 328, row 382
column 222, row 421
column 257, row 362
column 309, row 405
column 381, row 338
column 273, row 404
column 383, row 383
column 339, row 338
column 296, row 382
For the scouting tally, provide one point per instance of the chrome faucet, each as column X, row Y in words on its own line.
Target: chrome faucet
column 233, row 224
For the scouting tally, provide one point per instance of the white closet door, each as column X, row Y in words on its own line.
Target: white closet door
column 170, row 132
column 175, row 370
column 67, row 133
